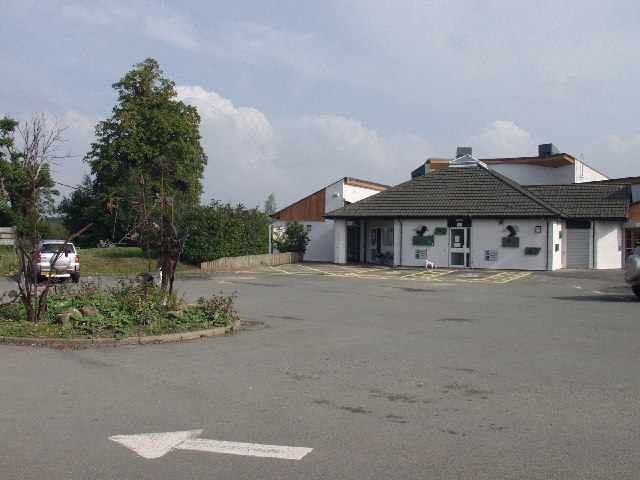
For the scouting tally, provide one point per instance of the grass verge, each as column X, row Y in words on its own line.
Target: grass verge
column 117, row 261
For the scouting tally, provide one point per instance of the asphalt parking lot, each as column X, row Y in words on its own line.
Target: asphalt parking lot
column 379, row 376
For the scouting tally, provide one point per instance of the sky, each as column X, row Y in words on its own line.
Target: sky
column 295, row 95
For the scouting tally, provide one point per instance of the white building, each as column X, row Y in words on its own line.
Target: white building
column 550, row 167
column 467, row 215
column 310, row 212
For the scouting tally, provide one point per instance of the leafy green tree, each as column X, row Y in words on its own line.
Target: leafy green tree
column 295, row 239
column 81, row 208
column 150, row 146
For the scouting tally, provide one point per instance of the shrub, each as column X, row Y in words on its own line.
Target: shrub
column 295, row 240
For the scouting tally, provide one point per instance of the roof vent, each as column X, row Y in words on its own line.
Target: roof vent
column 462, row 151
column 547, row 150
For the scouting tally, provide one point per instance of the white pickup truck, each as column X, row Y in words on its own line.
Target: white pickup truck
column 632, row 271
column 66, row 265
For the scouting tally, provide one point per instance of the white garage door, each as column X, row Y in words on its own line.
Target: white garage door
column 578, row 247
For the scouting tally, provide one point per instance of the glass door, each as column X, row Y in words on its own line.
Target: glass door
column 459, row 247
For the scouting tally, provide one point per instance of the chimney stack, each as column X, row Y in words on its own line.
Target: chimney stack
column 462, row 151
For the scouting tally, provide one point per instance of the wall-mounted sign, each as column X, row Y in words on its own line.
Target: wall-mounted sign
column 426, row 241
column 421, row 253
column 532, row 250
column 491, row 255
column 512, row 242
column 440, row 231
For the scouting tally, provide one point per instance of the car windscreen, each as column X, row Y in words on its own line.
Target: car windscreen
column 55, row 247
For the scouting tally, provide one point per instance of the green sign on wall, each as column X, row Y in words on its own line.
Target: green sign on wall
column 513, row 242
column 424, row 241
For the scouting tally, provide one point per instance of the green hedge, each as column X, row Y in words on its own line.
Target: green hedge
column 220, row 230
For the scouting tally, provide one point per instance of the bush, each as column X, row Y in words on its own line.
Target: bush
column 295, row 240
column 218, row 231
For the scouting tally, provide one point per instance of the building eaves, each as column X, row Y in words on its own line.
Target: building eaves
column 469, row 191
column 596, row 201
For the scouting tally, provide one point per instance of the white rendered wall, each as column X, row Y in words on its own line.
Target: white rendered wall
column 584, row 173
column 337, row 193
column 438, row 253
column 608, row 245
column 320, row 247
column 340, row 241
column 534, row 175
column 488, row 234
column 334, row 196
column 354, row 194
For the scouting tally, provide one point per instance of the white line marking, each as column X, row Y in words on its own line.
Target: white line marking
column 155, row 445
column 595, row 291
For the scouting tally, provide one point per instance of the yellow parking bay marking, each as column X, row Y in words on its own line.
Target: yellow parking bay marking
column 386, row 273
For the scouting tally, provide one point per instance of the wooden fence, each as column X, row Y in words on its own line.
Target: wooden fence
column 227, row 264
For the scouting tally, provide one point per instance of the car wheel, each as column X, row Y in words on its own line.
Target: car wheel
column 636, row 289
column 75, row 278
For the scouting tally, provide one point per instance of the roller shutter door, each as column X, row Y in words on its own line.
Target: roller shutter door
column 578, row 247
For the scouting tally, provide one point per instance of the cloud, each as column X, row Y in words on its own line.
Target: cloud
column 79, row 134
column 267, row 46
column 240, row 144
column 502, row 138
column 161, row 22
column 250, row 156
column 615, row 155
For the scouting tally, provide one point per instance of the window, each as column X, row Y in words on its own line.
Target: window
column 387, row 237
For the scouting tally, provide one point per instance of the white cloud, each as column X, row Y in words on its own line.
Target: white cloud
column 240, row 144
column 502, row 138
column 265, row 45
column 161, row 22
column 249, row 156
column 79, row 134
column 615, row 155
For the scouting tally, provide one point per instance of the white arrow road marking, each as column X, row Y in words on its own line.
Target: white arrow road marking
column 155, row 445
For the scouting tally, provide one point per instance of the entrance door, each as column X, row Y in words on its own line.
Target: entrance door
column 353, row 242
column 459, row 250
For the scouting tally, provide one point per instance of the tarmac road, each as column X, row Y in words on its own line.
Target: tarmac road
column 383, row 378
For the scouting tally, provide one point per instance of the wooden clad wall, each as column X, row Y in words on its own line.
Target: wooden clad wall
column 309, row 209
column 634, row 213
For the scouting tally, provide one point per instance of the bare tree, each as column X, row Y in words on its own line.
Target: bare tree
column 28, row 161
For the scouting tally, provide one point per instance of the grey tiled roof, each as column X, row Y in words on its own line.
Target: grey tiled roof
column 594, row 201
column 469, row 191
